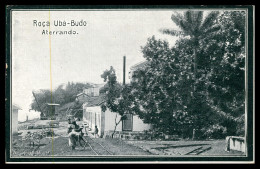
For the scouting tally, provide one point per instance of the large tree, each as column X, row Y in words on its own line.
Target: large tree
column 163, row 88
column 227, row 73
column 193, row 26
column 112, row 93
column 197, row 29
column 117, row 97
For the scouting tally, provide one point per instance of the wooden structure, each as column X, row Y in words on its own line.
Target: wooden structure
column 15, row 109
column 52, row 110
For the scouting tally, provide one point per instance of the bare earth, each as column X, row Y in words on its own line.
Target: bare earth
column 58, row 146
column 183, row 147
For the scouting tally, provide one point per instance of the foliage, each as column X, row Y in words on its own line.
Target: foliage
column 195, row 28
column 35, row 137
column 61, row 95
column 214, row 131
column 112, row 90
column 117, row 97
column 164, row 90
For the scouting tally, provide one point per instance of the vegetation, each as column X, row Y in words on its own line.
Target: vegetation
column 198, row 83
column 117, row 97
column 61, row 95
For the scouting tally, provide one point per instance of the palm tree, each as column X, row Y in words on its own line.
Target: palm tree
column 192, row 24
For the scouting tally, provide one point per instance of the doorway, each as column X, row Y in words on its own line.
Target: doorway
column 128, row 123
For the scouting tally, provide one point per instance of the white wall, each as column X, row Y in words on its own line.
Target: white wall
column 92, row 121
column 106, row 120
column 89, row 91
column 139, row 125
column 15, row 121
column 237, row 144
column 110, row 121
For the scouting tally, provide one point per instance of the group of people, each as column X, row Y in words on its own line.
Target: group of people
column 75, row 133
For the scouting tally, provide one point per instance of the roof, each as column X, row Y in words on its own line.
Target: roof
column 15, row 106
column 81, row 94
column 66, row 106
column 95, row 101
column 52, row 104
column 99, row 85
column 139, row 65
column 84, row 99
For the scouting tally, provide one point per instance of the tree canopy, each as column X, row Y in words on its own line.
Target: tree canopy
column 162, row 89
column 118, row 98
column 61, row 95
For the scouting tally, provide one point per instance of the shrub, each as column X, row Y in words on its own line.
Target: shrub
column 215, row 131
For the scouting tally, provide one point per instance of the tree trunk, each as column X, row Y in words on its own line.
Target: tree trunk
column 195, row 76
column 116, row 124
column 195, row 61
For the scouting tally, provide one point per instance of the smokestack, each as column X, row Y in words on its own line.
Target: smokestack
column 124, row 70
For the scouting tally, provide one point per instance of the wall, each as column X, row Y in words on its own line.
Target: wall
column 139, row 125
column 92, row 115
column 110, row 121
column 92, row 91
column 15, row 121
column 235, row 143
column 105, row 121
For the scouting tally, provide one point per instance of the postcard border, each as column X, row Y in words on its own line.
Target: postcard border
column 250, row 115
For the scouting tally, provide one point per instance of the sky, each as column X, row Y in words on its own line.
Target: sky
column 107, row 37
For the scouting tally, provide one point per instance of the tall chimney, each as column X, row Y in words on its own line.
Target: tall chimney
column 124, row 70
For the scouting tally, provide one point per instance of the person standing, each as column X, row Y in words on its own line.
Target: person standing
column 96, row 132
column 71, row 134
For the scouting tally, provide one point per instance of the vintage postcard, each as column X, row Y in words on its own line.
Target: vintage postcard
column 130, row 85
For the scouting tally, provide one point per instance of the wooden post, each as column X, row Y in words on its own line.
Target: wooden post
column 193, row 134
column 124, row 58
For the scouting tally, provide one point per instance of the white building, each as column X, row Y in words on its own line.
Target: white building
column 105, row 121
column 93, row 91
column 81, row 96
column 15, row 109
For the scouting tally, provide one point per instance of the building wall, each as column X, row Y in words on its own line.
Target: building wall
column 139, row 125
column 105, row 121
column 15, row 121
column 235, row 143
column 92, row 115
column 92, row 91
column 110, row 121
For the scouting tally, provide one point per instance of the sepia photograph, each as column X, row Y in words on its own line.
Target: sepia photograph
column 154, row 84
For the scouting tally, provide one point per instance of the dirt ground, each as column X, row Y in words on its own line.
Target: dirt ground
column 58, row 146
column 183, row 147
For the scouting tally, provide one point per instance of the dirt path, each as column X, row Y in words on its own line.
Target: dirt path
column 177, row 148
column 59, row 147
column 119, row 147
